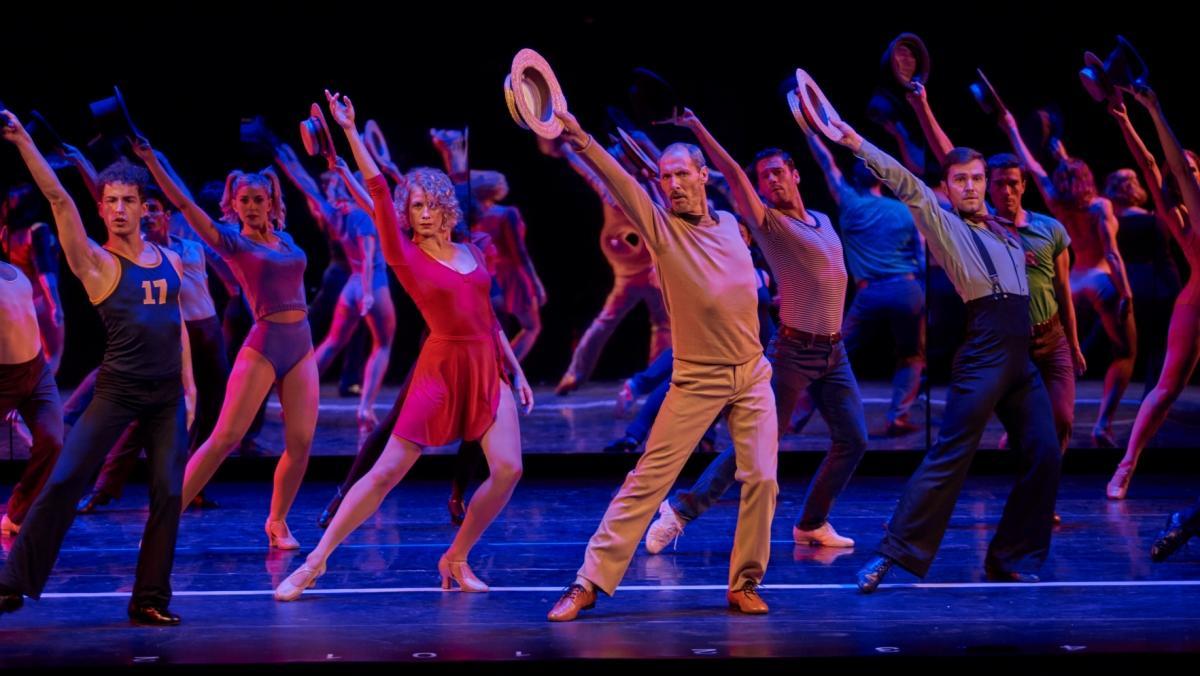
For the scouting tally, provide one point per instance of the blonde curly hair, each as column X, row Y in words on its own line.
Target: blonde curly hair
column 438, row 189
column 266, row 179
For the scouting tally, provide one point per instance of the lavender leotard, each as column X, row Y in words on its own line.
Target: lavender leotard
column 273, row 281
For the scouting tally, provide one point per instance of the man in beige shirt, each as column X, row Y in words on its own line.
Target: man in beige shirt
column 710, row 290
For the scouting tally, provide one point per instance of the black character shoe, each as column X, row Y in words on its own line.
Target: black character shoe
column 623, row 445
column 10, row 601
column 1171, row 539
column 872, row 574
column 995, row 573
column 151, row 616
column 93, row 500
column 202, row 502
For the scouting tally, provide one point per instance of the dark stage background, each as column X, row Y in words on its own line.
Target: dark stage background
column 191, row 73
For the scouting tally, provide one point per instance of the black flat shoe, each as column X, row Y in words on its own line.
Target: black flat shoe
column 1171, row 539
column 151, row 616
column 996, row 574
column 11, row 602
column 457, row 509
column 623, row 445
column 93, row 500
column 202, row 502
column 870, row 575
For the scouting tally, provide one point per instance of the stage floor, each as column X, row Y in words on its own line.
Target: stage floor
column 380, row 600
column 583, row 422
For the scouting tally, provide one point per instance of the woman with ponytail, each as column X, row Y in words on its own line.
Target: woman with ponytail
column 278, row 351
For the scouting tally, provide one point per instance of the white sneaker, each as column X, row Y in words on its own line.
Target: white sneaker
column 825, row 536
column 667, row 528
column 7, row 527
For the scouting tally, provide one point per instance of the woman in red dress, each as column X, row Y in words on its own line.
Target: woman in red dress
column 456, row 390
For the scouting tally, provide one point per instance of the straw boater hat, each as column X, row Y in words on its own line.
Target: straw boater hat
column 809, row 101
column 314, row 134
column 534, row 95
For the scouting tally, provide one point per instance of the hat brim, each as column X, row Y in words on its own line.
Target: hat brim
column 375, row 142
column 986, row 95
column 536, row 94
column 917, row 46
column 510, row 100
column 810, row 101
column 635, row 153
column 314, row 134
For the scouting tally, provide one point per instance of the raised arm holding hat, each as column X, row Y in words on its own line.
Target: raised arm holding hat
column 710, row 289
column 807, row 355
column 992, row 373
column 1183, row 341
column 134, row 286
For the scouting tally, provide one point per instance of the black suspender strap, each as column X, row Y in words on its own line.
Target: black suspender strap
column 987, row 260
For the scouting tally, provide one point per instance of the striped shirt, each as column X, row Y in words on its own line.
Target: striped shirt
column 809, row 269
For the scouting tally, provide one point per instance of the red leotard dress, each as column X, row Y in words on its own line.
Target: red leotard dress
column 455, row 388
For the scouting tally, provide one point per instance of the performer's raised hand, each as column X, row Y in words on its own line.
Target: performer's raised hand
column 11, row 128
column 683, row 118
column 572, row 132
column 342, row 109
column 850, row 138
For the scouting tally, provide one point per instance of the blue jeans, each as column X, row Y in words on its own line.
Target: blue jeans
column 824, row 371
column 898, row 305
column 656, row 374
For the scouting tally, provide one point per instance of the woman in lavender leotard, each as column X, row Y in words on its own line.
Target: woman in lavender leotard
column 277, row 352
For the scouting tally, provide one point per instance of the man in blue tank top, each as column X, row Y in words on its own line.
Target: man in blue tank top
column 134, row 285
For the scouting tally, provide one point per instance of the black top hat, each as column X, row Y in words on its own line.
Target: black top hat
column 1125, row 67
column 42, row 133
column 618, row 119
column 921, row 53
column 986, row 96
column 1095, row 80
column 652, row 97
column 113, row 116
column 255, row 133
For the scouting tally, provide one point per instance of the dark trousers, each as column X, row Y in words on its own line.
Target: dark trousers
column 824, row 372
column 30, row 389
column 158, row 407
column 210, row 369
column 992, row 372
column 897, row 305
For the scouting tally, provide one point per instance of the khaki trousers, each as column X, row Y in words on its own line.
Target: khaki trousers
column 698, row 394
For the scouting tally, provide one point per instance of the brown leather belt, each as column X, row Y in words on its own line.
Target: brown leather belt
column 864, row 283
column 788, row 332
column 1047, row 326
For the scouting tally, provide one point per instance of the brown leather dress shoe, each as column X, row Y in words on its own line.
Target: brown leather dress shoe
column 151, row 616
column 574, row 599
column 746, row 600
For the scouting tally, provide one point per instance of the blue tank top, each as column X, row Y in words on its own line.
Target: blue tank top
column 142, row 319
